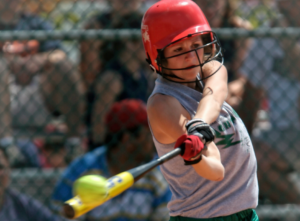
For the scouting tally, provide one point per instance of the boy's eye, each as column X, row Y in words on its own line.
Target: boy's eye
column 197, row 45
column 177, row 49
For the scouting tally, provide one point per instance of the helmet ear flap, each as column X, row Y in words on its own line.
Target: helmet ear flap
column 150, row 63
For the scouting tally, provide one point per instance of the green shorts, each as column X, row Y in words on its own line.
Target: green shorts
column 246, row 215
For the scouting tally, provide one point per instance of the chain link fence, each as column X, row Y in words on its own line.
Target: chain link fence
column 63, row 64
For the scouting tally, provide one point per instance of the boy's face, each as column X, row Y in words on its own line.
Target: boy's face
column 183, row 55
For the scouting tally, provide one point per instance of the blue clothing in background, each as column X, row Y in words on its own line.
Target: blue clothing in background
column 28, row 22
column 31, row 22
column 145, row 200
column 19, row 207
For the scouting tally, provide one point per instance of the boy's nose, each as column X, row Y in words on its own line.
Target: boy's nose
column 190, row 55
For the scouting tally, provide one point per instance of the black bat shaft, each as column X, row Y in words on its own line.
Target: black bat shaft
column 140, row 171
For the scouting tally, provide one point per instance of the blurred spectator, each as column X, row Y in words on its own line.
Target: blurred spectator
column 43, row 83
column 260, row 13
column 112, row 70
column 220, row 13
column 16, row 206
column 128, row 144
column 53, row 151
column 272, row 64
column 5, row 117
column 290, row 11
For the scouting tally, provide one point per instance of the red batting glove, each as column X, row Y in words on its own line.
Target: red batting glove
column 191, row 146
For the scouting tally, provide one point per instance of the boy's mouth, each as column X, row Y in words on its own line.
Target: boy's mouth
column 190, row 67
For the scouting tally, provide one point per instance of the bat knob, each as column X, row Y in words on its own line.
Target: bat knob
column 68, row 211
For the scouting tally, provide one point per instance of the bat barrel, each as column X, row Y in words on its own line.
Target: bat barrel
column 74, row 207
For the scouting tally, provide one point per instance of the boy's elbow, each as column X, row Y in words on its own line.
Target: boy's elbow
column 220, row 175
column 219, row 178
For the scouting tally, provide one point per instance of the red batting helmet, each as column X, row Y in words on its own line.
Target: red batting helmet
column 169, row 21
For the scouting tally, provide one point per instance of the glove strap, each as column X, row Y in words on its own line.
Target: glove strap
column 187, row 162
column 196, row 120
column 195, row 126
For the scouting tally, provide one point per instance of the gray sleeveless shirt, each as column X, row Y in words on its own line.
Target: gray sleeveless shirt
column 194, row 196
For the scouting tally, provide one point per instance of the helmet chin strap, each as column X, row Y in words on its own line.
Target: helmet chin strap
column 164, row 75
column 179, row 82
column 168, row 76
